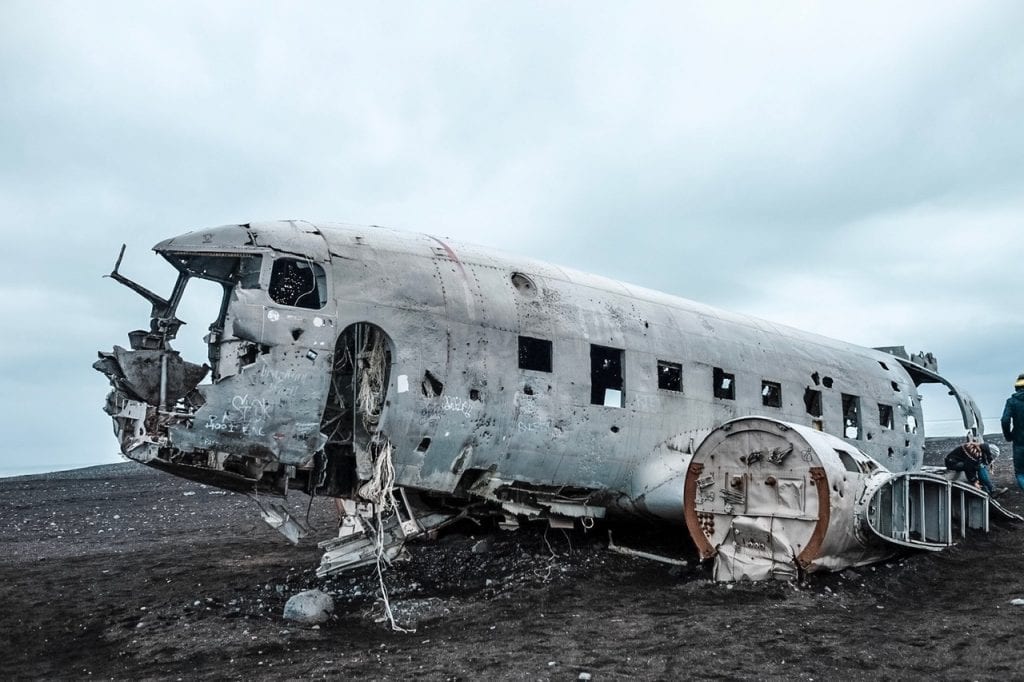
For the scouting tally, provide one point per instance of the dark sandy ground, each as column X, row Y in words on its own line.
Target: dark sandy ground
column 123, row 572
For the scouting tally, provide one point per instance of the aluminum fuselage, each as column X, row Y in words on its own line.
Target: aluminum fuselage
column 458, row 401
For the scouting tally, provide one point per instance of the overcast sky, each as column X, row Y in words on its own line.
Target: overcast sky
column 852, row 169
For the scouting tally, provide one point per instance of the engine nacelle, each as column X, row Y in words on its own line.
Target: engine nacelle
column 767, row 498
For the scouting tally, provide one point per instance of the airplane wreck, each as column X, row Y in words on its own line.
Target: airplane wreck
column 420, row 381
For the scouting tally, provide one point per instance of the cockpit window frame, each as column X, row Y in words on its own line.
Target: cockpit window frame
column 319, row 274
column 181, row 261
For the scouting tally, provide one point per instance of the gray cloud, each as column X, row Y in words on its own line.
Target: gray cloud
column 850, row 171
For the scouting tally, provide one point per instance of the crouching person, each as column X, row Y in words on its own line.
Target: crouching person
column 972, row 459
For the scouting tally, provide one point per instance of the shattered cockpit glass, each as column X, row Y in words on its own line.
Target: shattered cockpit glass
column 298, row 283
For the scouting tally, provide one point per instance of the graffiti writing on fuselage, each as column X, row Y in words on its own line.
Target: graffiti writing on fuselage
column 246, row 416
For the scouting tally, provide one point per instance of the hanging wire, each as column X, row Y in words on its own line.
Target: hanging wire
column 380, row 490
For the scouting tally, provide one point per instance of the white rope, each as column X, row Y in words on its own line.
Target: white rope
column 371, row 380
column 380, row 488
column 381, row 491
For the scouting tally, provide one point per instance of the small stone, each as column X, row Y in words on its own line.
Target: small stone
column 309, row 608
column 584, row 676
column 1017, row 602
column 482, row 546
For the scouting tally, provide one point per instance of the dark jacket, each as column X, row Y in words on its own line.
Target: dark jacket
column 960, row 459
column 1013, row 418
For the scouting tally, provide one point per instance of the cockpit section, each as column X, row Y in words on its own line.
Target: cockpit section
column 241, row 419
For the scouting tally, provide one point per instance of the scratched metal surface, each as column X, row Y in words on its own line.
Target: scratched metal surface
column 555, row 436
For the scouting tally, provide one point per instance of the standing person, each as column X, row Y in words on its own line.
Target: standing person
column 1013, row 428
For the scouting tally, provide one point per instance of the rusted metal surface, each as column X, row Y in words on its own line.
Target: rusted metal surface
column 805, row 559
column 700, row 524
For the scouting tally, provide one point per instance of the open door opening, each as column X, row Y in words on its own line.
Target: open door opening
column 355, row 406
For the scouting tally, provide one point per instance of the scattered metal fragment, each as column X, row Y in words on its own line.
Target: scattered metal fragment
column 643, row 555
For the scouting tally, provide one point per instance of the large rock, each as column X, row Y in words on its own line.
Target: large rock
column 311, row 607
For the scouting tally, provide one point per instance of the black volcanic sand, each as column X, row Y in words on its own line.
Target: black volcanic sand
column 124, row 572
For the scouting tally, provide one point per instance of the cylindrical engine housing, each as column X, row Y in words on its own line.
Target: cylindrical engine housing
column 767, row 498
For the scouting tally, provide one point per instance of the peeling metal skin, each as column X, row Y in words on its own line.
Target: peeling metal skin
column 491, row 382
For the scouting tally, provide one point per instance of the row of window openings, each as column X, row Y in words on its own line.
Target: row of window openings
column 606, row 384
column 771, row 396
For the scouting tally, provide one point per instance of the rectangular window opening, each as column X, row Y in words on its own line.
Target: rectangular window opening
column 812, row 402
column 885, row 416
column 606, row 376
column 724, row 384
column 851, row 416
column 771, row 393
column 534, row 354
column 670, row 376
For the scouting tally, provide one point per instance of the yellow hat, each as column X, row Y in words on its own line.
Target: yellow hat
column 1020, row 382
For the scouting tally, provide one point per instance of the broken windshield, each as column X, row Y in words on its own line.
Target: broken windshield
column 208, row 292
column 228, row 270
